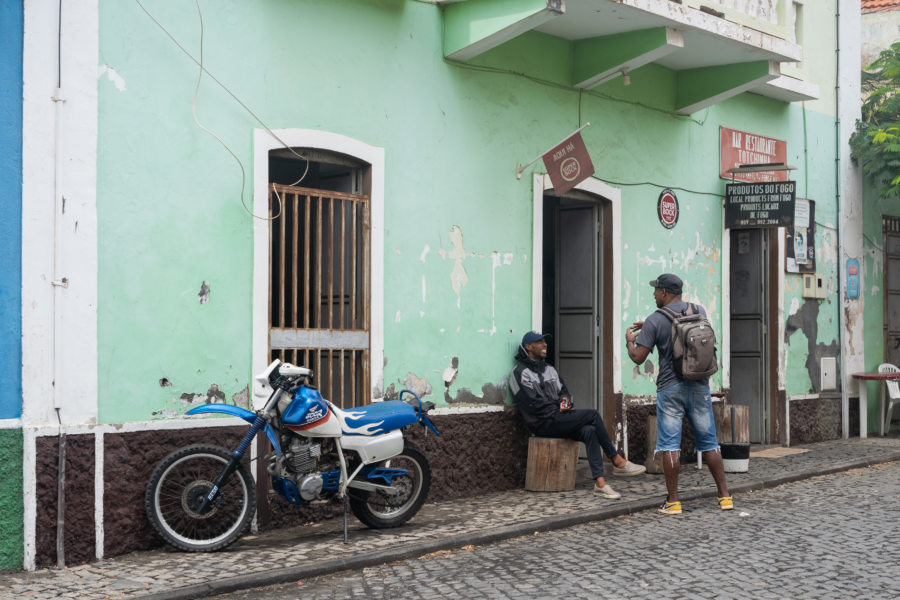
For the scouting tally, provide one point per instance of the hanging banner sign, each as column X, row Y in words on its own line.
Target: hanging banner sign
column 742, row 148
column 667, row 209
column 568, row 164
column 760, row 205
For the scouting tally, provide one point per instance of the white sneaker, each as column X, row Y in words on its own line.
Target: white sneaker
column 630, row 469
column 607, row 492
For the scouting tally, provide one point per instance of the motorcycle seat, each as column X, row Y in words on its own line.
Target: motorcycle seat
column 377, row 418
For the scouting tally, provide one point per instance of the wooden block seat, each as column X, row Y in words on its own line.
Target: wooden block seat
column 551, row 464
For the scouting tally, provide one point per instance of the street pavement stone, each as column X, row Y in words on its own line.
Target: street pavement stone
column 305, row 552
column 829, row 537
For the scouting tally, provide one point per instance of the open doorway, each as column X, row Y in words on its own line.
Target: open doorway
column 577, row 296
column 753, row 288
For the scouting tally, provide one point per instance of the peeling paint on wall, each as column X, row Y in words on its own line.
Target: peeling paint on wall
column 204, row 292
column 242, row 398
column 490, row 394
column 458, row 276
column 177, row 406
column 874, row 275
column 710, row 255
column 806, row 320
column 112, row 76
column 648, row 370
column 451, row 372
column 419, row 385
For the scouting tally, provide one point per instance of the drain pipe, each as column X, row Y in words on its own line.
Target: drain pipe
column 842, row 319
column 59, row 284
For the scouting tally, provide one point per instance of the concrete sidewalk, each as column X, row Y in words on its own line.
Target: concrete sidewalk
column 304, row 552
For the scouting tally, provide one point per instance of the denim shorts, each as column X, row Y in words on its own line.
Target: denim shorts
column 685, row 399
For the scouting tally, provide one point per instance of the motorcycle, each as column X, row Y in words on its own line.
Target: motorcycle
column 202, row 498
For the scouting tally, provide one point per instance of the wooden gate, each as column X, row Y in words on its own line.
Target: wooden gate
column 319, row 282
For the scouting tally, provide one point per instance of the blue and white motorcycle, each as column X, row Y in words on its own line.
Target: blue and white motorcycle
column 202, row 497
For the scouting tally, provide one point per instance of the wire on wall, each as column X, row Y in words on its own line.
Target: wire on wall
column 203, row 70
column 560, row 86
column 581, row 92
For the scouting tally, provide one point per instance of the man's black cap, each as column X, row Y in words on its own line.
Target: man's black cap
column 533, row 336
column 668, row 282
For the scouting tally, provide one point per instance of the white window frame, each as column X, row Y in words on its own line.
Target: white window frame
column 263, row 142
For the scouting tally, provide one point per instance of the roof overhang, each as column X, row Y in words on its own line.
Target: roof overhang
column 611, row 37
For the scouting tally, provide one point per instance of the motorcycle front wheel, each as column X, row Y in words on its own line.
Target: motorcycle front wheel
column 380, row 510
column 176, row 491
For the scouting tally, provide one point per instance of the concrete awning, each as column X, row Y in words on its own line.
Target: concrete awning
column 714, row 58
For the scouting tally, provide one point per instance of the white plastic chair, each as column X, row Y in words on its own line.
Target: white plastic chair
column 893, row 393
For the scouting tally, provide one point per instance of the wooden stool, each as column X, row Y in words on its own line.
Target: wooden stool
column 551, row 464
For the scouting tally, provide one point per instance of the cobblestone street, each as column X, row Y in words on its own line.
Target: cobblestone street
column 833, row 536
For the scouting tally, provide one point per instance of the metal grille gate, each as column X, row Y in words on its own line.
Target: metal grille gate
column 319, row 288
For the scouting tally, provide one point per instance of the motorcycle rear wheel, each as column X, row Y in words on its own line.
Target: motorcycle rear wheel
column 178, row 486
column 381, row 511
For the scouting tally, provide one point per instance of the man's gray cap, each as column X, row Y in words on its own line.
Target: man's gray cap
column 670, row 283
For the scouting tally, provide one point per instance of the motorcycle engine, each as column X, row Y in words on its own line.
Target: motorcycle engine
column 300, row 464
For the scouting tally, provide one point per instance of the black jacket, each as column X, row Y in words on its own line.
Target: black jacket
column 537, row 389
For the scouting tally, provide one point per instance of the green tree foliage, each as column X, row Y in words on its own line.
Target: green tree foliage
column 875, row 145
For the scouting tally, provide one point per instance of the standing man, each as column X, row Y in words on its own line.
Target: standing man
column 676, row 398
column 548, row 410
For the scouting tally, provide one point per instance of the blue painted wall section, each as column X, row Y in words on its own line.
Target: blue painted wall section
column 11, row 209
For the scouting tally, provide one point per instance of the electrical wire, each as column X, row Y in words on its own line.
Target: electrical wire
column 581, row 91
column 873, row 243
column 209, row 131
column 661, row 186
column 560, row 86
column 203, row 69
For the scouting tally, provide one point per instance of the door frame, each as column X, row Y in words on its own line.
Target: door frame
column 776, row 405
column 612, row 352
column 263, row 142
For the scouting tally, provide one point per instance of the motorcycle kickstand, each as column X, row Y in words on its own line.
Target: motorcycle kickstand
column 346, row 506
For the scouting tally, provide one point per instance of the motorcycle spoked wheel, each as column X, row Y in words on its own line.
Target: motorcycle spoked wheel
column 177, row 488
column 381, row 511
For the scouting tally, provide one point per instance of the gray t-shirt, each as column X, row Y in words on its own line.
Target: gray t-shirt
column 657, row 331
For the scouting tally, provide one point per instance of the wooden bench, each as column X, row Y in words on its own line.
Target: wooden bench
column 551, row 464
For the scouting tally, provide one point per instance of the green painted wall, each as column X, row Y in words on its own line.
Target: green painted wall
column 11, row 506
column 872, row 265
column 169, row 197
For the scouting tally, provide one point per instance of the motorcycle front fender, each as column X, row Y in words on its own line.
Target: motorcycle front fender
column 237, row 411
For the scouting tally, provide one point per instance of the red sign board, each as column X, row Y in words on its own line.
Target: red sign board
column 667, row 209
column 568, row 164
column 742, row 148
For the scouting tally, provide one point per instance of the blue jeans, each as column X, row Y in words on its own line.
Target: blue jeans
column 584, row 425
column 685, row 399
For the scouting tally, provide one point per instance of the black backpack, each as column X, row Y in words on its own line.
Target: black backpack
column 693, row 343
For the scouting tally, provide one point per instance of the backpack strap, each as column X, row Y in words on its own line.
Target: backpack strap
column 667, row 312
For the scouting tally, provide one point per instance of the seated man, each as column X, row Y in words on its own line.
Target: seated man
column 548, row 410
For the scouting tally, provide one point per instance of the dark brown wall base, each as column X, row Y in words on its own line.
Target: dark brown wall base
column 79, row 546
column 475, row 454
column 819, row 419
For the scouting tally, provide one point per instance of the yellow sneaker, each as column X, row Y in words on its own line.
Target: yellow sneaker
column 671, row 508
column 726, row 503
